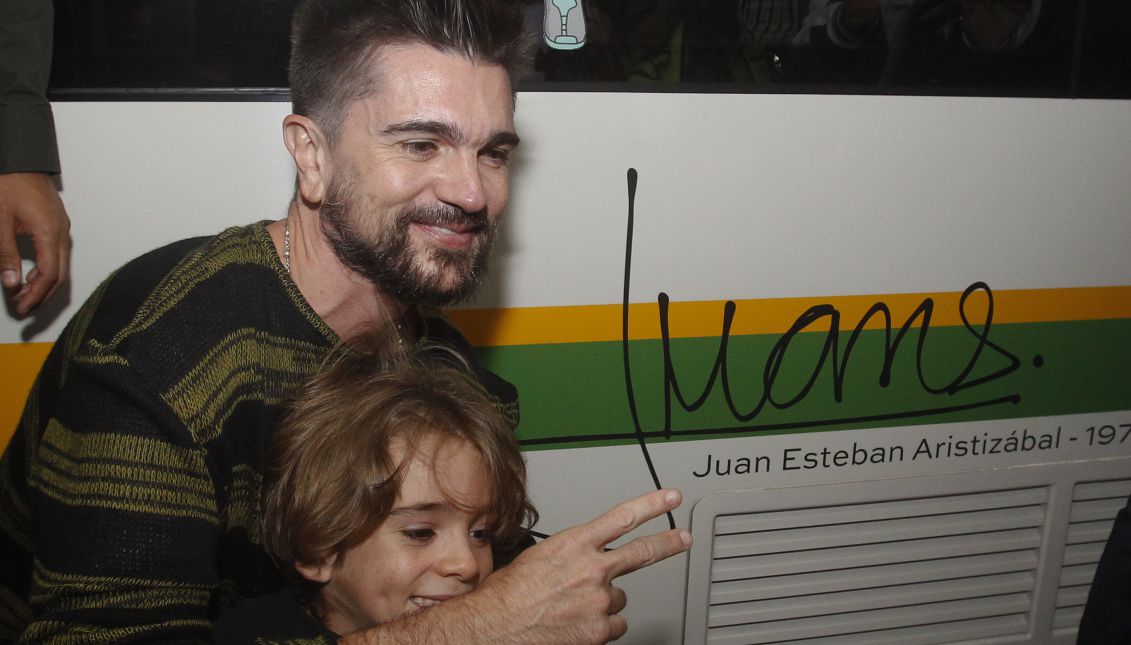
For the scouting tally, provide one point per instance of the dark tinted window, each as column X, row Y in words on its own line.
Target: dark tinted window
column 119, row 46
column 1058, row 48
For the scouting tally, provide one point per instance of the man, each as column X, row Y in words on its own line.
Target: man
column 29, row 203
column 129, row 497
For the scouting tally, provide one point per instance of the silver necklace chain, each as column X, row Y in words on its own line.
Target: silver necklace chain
column 287, row 246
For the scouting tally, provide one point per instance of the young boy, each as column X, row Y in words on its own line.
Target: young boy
column 388, row 486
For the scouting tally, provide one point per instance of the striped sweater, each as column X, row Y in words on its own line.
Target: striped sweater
column 129, row 495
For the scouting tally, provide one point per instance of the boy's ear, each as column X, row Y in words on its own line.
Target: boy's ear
column 317, row 572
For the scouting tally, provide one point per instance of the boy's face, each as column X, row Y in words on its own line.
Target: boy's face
column 428, row 550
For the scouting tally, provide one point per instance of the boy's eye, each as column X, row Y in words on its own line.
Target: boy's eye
column 418, row 535
column 481, row 536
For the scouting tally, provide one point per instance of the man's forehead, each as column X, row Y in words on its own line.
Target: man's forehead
column 419, row 88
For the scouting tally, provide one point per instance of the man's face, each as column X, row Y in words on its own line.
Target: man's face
column 433, row 546
column 420, row 174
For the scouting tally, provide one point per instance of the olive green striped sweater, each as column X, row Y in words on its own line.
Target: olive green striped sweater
column 129, row 495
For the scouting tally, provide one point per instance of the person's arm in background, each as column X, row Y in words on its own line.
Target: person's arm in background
column 29, row 202
column 1107, row 614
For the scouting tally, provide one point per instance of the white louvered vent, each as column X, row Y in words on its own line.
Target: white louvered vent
column 1094, row 506
column 865, row 569
column 988, row 556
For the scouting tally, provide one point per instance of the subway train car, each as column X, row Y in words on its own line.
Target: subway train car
column 855, row 277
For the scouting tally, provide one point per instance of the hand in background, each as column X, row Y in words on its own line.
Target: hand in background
column 31, row 207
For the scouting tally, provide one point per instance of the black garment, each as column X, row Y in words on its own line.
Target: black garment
column 275, row 618
column 1107, row 616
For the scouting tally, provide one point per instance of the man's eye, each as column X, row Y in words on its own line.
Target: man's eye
column 418, row 535
column 419, row 148
column 497, row 156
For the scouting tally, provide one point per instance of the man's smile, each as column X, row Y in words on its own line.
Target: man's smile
column 453, row 236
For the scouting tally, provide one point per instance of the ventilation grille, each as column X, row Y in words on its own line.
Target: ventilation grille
column 1094, row 507
column 1002, row 555
column 918, row 570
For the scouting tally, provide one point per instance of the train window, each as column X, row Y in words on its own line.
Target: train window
column 232, row 48
column 177, row 48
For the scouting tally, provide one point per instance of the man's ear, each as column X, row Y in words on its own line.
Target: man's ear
column 320, row 572
column 308, row 147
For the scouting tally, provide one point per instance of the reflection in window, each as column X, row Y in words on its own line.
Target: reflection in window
column 1010, row 46
column 993, row 47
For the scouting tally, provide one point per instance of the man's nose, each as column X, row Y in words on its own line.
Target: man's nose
column 462, row 185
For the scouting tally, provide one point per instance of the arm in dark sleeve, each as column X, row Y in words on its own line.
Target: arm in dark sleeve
column 1107, row 616
column 27, row 130
column 125, row 517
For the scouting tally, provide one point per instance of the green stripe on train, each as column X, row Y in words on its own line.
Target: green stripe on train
column 575, row 394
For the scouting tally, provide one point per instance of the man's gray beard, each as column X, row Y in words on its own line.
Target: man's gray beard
column 390, row 263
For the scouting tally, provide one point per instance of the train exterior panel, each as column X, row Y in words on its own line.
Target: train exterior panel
column 777, row 303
